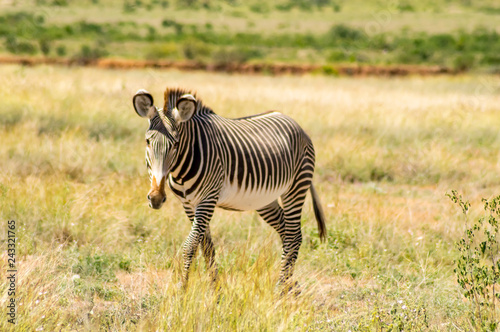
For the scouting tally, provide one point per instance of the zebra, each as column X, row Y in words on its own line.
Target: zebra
column 262, row 162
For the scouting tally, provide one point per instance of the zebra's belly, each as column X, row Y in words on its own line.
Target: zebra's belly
column 234, row 198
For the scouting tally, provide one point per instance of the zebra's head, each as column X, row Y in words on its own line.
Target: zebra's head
column 162, row 139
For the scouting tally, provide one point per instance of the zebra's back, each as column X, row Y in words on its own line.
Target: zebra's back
column 259, row 156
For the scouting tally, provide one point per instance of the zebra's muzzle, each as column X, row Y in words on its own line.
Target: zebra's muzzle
column 156, row 203
column 156, row 195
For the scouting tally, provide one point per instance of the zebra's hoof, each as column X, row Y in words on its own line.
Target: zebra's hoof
column 181, row 286
column 289, row 288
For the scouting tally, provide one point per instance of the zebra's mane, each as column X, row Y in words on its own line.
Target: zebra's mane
column 173, row 94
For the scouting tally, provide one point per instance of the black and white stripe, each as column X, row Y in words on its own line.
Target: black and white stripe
column 263, row 162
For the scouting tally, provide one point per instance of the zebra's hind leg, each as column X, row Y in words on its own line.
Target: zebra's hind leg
column 293, row 202
column 274, row 216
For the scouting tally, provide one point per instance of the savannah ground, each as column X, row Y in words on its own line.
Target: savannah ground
column 92, row 255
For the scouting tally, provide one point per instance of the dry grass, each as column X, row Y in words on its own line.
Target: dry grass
column 73, row 177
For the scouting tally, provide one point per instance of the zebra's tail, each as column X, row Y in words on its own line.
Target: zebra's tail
column 318, row 213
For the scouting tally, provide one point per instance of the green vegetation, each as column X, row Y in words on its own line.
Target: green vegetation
column 478, row 266
column 294, row 31
column 92, row 256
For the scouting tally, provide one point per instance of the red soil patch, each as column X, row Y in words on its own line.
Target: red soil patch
column 246, row 68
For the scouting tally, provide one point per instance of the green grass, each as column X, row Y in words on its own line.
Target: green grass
column 457, row 34
column 91, row 254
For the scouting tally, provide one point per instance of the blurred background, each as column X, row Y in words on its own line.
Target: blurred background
column 455, row 34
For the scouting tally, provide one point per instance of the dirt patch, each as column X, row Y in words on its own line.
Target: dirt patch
column 245, row 68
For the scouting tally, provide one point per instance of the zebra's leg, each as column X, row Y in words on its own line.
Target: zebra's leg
column 208, row 250
column 202, row 215
column 207, row 246
column 274, row 216
column 293, row 202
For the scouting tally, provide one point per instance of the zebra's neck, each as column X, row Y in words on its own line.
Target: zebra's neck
column 187, row 153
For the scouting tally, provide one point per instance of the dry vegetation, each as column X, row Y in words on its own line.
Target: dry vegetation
column 92, row 255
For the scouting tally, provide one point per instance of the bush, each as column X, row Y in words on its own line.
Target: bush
column 93, row 29
column 171, row 23
column 89, row 54
column 463, row 62
column 329, row 70
column 405, row 6
column 44, row 46
column 344, row 33
column 414, row 50
column 259, row 7
column 491, row 59
column 225, row 56
column 194, row 49
column 162, row 51
column 61, row 50
column 339, row 56
column 60, row 3
column 478, row 265
column 128, row 7
column 285, row 7
column 19, row 47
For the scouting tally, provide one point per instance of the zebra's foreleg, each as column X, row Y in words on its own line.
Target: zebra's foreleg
column 207, row 246
column 203, row 214
column 208, row 250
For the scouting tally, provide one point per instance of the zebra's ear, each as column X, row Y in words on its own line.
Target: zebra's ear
column 143, row 104
column 185, row 108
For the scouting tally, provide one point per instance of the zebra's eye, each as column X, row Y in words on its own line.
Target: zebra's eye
column 147, row 141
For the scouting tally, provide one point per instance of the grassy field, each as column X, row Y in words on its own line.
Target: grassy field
column 91, row 255
column 456, row 34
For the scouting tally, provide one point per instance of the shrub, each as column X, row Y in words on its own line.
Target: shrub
column 187, row 3
column 44, row 46
column 60, row 3
column 478, row 265
column 344, row 33
column 161, row 51
column 128, row 7
column 19, row 47
column 89, row 54
column 491, row 59
column 329, row 70
column 61, row 50
column 338, row 56
column 171, row 23
column 259, row 7
column 194, row 49
column 287, row 6
column 227, row 56
column 405, row 6
column 463, row 62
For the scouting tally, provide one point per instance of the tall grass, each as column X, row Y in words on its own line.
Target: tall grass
column 92, row 255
